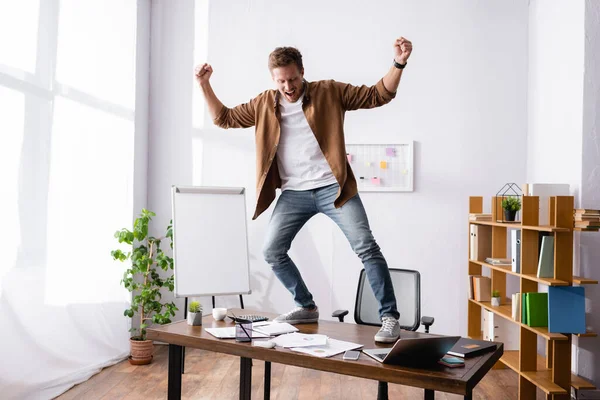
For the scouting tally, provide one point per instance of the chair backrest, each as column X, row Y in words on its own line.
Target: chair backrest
column 407, row 288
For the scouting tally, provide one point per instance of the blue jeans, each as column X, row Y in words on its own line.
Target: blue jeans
column 293, row 210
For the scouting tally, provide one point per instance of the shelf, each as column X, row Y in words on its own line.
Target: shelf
column 510, row 358
column 579, row 383
column 584, row 281
column 502, row 268
column 543, row 380
column 545, row 281
column 532, row 277
column 544, row 228
column 505, row 310
column 587, row 334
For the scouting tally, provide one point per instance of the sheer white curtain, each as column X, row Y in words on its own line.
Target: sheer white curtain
column 67, row 129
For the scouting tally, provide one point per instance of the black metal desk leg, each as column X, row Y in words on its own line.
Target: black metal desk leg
column 469, row 395
column 267, row 380
column 182, row 360
column 245, row 378
column 429, row 394
column 174, row 391
column 382, row 391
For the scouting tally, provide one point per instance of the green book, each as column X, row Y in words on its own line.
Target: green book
column 537, row 309
column 524, row 318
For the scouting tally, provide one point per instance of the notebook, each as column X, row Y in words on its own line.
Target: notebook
column 466, row 348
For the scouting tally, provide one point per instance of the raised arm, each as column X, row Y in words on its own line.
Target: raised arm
column 356, row 97
column 241, row 116
column 402, row 50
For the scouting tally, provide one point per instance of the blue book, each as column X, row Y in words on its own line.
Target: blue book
column 566, row 309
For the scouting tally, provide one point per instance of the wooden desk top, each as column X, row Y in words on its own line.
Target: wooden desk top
column 451, row 380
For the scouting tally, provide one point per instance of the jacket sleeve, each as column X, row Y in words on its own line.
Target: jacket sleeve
column 241, row 116
column 356, row 97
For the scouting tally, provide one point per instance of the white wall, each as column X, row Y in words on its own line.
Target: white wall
column 462, row 99
column 588, row 352
column 555, row 98
column 564, row 86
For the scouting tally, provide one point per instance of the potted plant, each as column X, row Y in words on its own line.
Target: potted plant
column 194, row 316
column 142, row 279
column 495, row 298
column 511, row 204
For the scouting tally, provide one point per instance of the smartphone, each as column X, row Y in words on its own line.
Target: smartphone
column 351, row 355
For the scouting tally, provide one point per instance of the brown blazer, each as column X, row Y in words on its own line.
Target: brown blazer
column 324, row 105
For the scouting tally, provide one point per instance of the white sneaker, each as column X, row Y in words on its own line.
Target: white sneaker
column 299, row 315
column 389, row 332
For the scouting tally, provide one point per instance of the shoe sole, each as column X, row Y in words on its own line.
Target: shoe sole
column 386, row 340
column 300, row 321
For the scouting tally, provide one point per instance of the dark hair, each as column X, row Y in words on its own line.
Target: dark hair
column 283, row 56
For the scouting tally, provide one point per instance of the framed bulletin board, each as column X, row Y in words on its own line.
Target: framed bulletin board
column 382, row 167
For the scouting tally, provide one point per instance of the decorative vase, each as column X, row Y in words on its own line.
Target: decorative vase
column 141, row 351
column 509, row 215
column 194, row 318
column 495, row 301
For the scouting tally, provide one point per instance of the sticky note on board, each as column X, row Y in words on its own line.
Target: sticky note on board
column 383, row 165
column 367, row 164
column 404, row 172
column 376, row 181
column 390, row 151
column 349, row 156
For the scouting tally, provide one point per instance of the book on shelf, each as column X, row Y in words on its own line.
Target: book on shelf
column 546, row 260
column 498, row 261
column 482, row 288
column 515, row 248
column 566, row 309
column 480, row 245
column 535, row 309
column 498, row 329
column 480, row 217
column 516, row 306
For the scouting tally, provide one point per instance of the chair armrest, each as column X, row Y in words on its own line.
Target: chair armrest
column 427, row 322
column 339, row 314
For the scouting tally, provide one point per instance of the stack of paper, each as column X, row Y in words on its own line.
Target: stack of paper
column 332, row 348
column 300, row 340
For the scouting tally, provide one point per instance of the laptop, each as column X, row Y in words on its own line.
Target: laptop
column 414, row 351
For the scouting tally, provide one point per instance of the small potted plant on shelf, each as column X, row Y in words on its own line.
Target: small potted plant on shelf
column 142, row 279
column 194, row 316
column 510, row 205
column 495, row 298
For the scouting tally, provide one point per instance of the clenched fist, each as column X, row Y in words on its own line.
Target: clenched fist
column 203, row 73
column 402, row 50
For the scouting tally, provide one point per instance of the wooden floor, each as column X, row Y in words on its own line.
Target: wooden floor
column 216, row 376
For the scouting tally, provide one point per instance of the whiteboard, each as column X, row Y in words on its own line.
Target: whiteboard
column 382, row 167
column 210, row 241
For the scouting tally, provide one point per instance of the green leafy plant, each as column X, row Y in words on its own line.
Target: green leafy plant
column 195, row 307
column 495, row 293
column 142, row 278
column 511, row 203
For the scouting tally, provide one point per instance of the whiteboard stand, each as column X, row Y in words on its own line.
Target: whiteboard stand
column 209, row 232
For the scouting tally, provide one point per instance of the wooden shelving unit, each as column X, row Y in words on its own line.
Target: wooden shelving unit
column 552, row 373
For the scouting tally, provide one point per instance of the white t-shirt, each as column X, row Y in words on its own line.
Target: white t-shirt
column 301, row 163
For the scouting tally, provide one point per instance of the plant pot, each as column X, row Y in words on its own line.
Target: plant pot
column 141, row 351
column 509, row 215
column 495, row 301
column 194, row 318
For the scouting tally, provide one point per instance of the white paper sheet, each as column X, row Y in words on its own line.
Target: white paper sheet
column 332, row 348
column 300, row 340
column 229, row 333
column 275, row 328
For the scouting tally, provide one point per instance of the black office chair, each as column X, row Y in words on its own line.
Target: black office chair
column 407, row 288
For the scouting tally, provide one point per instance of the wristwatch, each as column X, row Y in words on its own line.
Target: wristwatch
column 399, row 66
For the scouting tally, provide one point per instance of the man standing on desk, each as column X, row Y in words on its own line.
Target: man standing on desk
column 300, row 148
